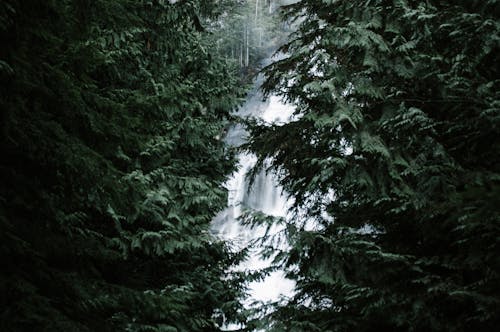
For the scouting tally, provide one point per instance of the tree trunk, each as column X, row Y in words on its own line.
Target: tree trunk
column 241, row 55
column 247, row 58
column 256, row 11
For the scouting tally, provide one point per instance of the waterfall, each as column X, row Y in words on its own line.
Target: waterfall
column 265, row 195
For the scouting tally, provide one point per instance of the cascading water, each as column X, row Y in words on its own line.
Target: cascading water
column 265, row 195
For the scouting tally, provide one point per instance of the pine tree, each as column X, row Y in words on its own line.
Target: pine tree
column 394, row 154
column 112, row 167
column 249, row 34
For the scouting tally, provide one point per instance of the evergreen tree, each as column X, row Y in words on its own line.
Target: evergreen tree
column 394, row 154
column 112, row 167
column 249, row 33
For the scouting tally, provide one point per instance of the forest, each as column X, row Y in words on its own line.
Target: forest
column 114, row 163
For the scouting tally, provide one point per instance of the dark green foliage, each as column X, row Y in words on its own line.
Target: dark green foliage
column 111, row 167
column 397, row 141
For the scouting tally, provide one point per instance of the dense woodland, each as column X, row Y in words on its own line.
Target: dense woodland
column 113, row 163
column 395, row 155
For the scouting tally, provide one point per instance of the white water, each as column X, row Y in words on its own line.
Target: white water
column 265, row 195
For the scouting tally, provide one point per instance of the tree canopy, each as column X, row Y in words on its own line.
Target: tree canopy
column 112, row 167
column 393, row 155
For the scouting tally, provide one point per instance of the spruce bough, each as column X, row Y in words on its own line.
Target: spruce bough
column 111, row 169
column 394, row 154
